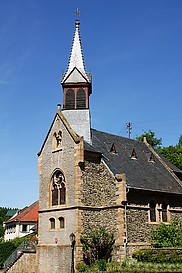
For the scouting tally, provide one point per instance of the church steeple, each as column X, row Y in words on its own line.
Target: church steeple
column 77, row 87
column 76, row 59
column 76, row 78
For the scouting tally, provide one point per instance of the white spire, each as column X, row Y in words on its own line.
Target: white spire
column 76, row 59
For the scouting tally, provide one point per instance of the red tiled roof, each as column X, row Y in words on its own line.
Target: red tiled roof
column 28, row 214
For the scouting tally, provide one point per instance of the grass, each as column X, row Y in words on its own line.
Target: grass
column 134, row 265
column 155, row 267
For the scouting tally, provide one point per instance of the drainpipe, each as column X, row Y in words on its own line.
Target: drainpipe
column 126, row 230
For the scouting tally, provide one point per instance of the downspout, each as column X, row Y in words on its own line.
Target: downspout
column 126, row 230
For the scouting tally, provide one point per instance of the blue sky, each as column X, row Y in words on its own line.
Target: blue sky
column 134, row 51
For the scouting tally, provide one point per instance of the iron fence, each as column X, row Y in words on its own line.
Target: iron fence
column 26, row 246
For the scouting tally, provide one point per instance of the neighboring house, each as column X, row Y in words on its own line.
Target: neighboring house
column 90, row 178
column 21, row 224
column 11, row 213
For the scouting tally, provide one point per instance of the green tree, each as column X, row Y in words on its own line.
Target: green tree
column 168, row 235
column 151, row 139
column 180, row 141
column 173, row 153
column 3, row 218
column 97, row 245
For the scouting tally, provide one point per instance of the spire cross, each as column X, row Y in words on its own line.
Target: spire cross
column 77, row 13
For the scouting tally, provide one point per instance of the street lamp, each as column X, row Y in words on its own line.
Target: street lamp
column 72, row 240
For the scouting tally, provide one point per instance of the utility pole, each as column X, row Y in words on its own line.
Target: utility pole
column 128, row 125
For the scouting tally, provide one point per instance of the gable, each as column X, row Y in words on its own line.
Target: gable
column 63, row 123
column 75, row 76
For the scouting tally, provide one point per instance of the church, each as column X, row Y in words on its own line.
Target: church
column 90, row 178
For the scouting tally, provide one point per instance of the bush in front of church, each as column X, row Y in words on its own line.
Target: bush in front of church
column 97, row 246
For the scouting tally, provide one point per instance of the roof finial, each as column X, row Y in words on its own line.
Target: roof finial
column 77, row 13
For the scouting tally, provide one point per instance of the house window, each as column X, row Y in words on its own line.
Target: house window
column 58, row 189
column 70, row 99
column 152, row 211
column 61, row 222
column 164, row 212
column 24, row 228
column 52, row 223
column 80, row 99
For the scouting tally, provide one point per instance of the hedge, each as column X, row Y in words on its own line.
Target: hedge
column 159, row 255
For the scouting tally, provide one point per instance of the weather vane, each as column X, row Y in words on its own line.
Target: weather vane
column 77, row 13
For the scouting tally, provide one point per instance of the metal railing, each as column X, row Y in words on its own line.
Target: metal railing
column 26, row 246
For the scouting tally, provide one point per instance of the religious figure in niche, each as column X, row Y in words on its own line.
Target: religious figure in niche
column 58, row 139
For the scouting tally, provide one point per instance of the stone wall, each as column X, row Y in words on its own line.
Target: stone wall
column 99, row 186
column 139, row 227
column 100, row 201
column 27, row 263
column 54, row 258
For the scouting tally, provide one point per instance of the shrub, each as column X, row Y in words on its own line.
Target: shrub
column 168, row 235
column 157, row 256
column 6, row 248
column 82, row 267
column 102, row 265
column 97, row 245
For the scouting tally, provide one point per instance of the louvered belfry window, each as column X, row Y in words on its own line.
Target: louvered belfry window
column 81, row 99
column 70, row 99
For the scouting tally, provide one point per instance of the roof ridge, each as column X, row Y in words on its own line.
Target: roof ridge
column 23, row 212
column 163, row 163
column 28, row 209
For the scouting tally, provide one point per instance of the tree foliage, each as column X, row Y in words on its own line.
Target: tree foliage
column 3, row 218
column 173, row 153
column 168, row 235
column 97, row 245
column 8, row 247
column 151, row 139
column 180, row 141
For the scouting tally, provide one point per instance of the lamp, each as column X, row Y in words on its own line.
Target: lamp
column 72, row 240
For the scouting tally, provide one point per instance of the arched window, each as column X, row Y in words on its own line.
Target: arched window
column 54, row 195
column 58, row 189
column 52, row 223
column 61, row 222
column 164, row 212
column 81, row 99
column 70, row 99
column 62, row 194
column 152, row 211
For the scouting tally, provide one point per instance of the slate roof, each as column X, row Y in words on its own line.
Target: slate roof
column 28, row 214
column 141, row 173
column 76, row 57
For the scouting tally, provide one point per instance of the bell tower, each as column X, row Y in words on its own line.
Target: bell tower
column 77, row 87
